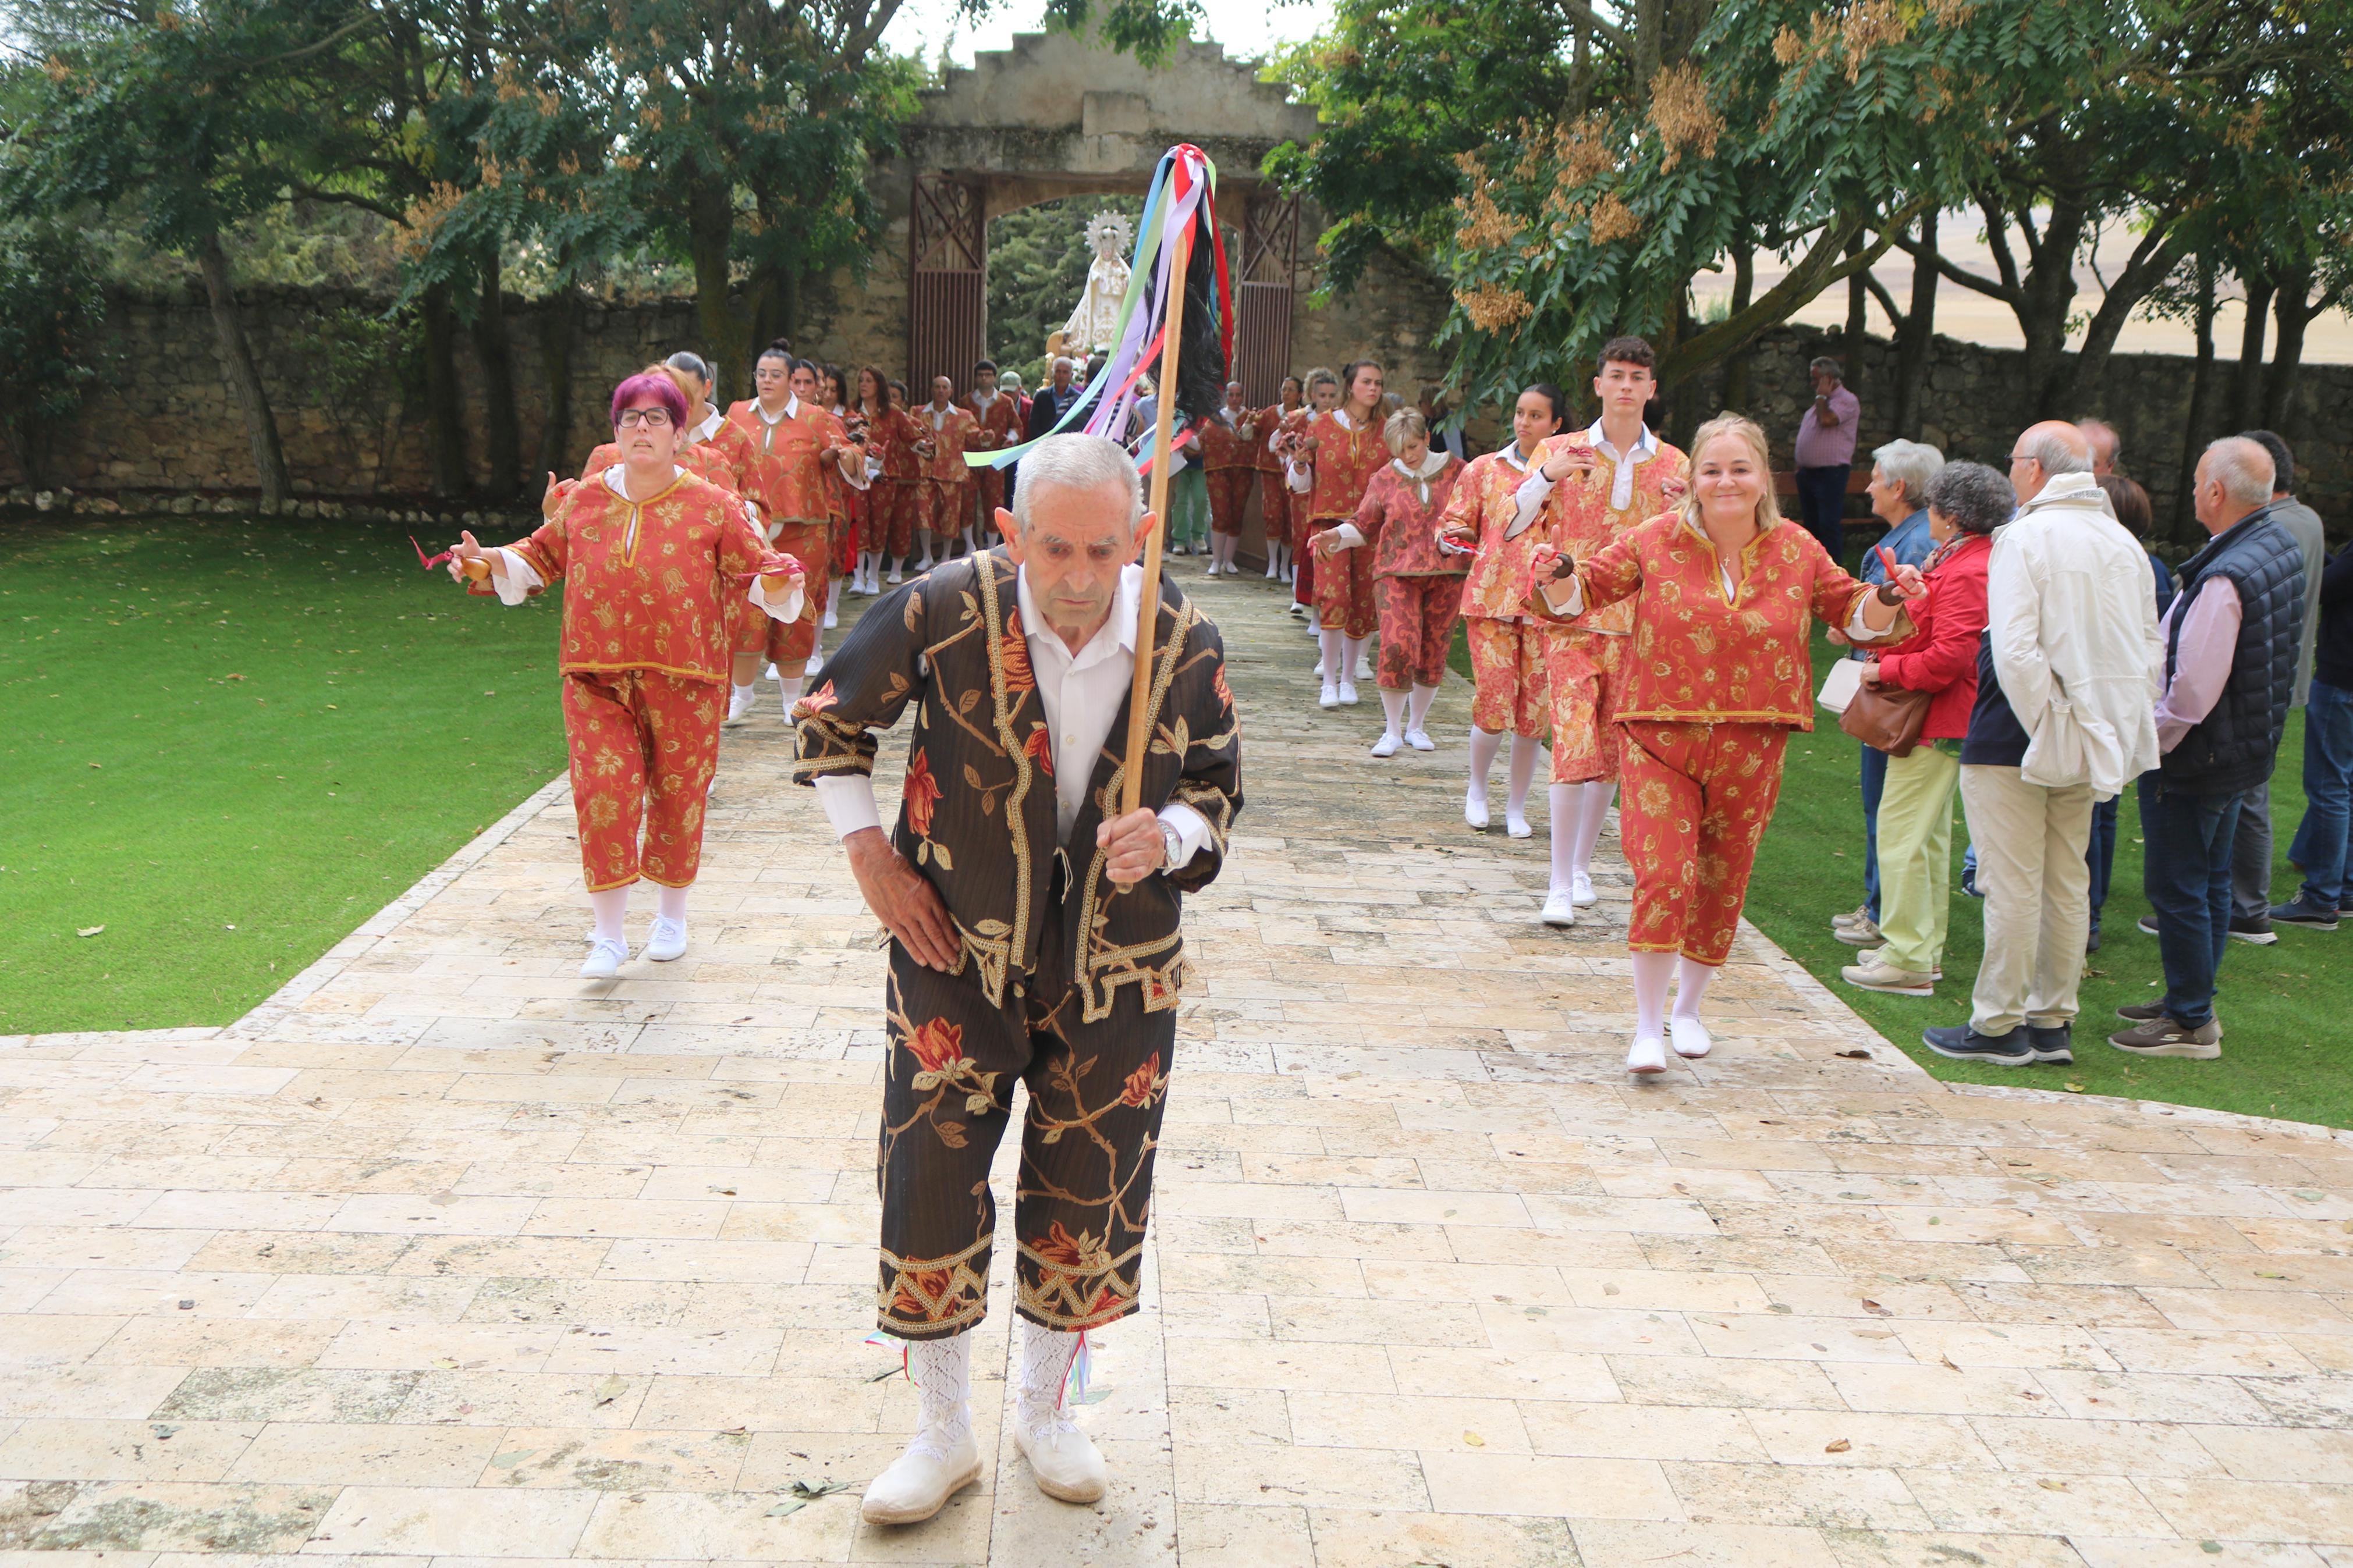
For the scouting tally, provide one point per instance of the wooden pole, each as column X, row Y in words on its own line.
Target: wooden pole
column 1147, row 609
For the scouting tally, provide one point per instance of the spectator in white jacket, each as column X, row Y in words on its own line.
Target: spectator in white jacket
column 2068, row 679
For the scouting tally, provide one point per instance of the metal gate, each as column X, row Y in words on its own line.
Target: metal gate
column 947, row 295
column 1262, row 294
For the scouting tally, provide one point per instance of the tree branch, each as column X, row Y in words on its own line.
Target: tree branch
column 1821, row 266
column 1886, row 300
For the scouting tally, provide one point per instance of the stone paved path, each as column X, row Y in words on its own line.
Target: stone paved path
column 445, row 1254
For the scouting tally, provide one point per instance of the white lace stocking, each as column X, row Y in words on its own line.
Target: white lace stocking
column 940, row 1371
column 1043, row 1365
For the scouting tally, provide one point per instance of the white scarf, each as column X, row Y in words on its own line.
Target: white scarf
column 1431, row 462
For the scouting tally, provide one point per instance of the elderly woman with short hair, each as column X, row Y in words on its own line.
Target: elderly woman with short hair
column 1967, row 502
column 1900, row 473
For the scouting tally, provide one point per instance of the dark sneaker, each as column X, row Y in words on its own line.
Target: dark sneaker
column 1969, row 881
column 2164, row 1037
column 1964, row 1043
column 2305, row 912
column 2092, row 940
column 2255, row 929
column 2149, row 925
column 2051, row 1042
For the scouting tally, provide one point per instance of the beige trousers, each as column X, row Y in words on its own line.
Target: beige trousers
column 2038, row 899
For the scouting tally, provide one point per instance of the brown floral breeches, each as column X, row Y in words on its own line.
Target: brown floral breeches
column 1096, row 1093
column 644, row 745
column 789, row 643
column 1694, row 801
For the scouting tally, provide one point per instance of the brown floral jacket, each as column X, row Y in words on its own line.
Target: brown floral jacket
column 977, row 814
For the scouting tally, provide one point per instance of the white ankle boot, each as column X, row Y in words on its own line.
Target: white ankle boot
column 1065, row 1463
column 942, row 1460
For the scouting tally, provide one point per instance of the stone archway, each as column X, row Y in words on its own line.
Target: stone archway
column 1057, row 115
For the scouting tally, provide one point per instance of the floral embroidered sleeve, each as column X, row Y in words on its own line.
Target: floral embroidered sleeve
column 868, row 682
column 1613, row 573
column 543, row 550
column 1837, row 599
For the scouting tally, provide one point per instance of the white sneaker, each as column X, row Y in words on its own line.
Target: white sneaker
column 1331, row 697
column 897, row 575
column 667, row 941
column 816, row 663
column 922, row 566
column 831, row 620
column 1516, row 825
column 1214, row 569
column 920, row 1481
column 1318, row 671
column 1474, row 810
column 1559, row 910
column 1363, row 667
column 1387, row 746
column 1271, row 573
column 1420, row 741
column 606, row 957
column 1648, row 1055
column 1347, row 692
column 1066, row 1463
column 1691, row 1037
column 1583, row 893
column 739, row 709
column 1297, row 608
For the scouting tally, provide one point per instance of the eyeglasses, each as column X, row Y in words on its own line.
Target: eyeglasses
column 652, row 418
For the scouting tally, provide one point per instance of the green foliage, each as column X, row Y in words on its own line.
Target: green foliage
column 1038, row 261
column 51, row 314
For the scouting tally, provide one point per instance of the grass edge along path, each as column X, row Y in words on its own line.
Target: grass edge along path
column 230, row 741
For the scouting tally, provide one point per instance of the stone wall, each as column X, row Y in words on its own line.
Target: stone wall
column 163, row 420
column 1971, row 409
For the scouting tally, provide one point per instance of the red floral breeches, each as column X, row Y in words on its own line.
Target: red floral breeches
column 1343, row 589
column 892, row 506
column 947, row 506
column 788, row 644
column 1085, row 1192
column 1229, row 491
column 1583, row 675
column 843, row 532
column 861, row 507
column 988, row 490
column 644, row 745
column 1507, row 667
column 1693, row 805
column 1417, row 616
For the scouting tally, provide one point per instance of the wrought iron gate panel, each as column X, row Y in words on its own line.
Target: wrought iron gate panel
column 1262, row 291
column 947, row 295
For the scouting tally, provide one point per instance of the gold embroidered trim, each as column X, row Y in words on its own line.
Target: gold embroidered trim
column 934, row 1288
column 1017, row 822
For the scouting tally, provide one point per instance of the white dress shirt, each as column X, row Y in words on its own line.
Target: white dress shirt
column 1537, row 487
column 513, row 578
column 1081, row 693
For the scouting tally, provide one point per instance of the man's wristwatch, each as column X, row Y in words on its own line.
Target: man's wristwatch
column 1171, row 844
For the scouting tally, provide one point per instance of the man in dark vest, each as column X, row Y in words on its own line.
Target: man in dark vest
column 1035, row 935
column 2231, row 637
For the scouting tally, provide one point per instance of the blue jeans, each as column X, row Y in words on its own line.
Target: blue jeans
column 2100, row 853
column 1875, row 783
column 2186, row 872
column 1821, row 505
column 2319, row 847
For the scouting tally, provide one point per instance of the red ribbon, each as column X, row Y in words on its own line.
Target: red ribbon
column 429, row 561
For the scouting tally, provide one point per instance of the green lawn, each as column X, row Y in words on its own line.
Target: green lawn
column 2286, row 1010
column 230, row 741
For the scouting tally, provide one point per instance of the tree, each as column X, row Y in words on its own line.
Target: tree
column 51, row 310
column 193, row 116
column 1038, row 261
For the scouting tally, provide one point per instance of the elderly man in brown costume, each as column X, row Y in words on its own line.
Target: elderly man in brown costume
column 1035, row 934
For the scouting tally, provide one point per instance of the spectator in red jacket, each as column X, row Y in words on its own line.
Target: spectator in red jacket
column 1967, row 502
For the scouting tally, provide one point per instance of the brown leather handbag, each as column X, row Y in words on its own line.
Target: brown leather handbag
column 1888, row 718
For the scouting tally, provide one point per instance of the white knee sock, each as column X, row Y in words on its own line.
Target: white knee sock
column 1393, row 708
column 1593, row 814
column 670, row 904
column 940, row 1371
column 742, row 693
column 606, row 908
column 1690, row 984
column 792, row 685
column 1483, row 747
column 1042, row 1360
column 1418, row 708
column 1525, row 750
column 1333, row 646
column 833, row 597
column 1356, row 650
column 1652, row 971
column 1566, row 801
